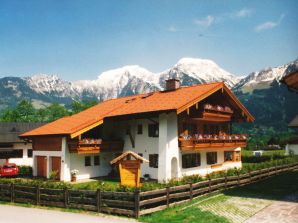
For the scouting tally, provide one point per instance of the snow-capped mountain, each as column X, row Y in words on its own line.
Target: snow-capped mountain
column 263, row 79
column 43, row 89
column 123, row 81
column 51, row 84
column 114, row 83
column 135, row 79
column 194, row 71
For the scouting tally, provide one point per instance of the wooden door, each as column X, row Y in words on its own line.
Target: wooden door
column 41, row 166
column 56, row 165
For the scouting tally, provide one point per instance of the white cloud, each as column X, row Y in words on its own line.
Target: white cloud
column 172, row 29
column 243, row 13
column 268, row 25
column 210, row 19
column 205, row 22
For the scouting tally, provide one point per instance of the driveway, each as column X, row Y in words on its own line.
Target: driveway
column 15, row 214
column 279, row 211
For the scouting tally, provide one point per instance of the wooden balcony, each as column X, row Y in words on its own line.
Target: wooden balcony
column 216, row 113
column 193, row 144
column 95, row 147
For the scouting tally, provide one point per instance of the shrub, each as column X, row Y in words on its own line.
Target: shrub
column 25, row 171
column 54, row 175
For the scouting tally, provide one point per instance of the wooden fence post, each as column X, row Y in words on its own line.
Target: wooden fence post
column 98, row 200
column 12, row 192
column 168, row 196
column 190, row 191
column 238, row 179
column 37, row 195
column 66, row 197
column 137, row 203
column 209, row 184
column 249, row 173
column 226, row 181
column 258, row 176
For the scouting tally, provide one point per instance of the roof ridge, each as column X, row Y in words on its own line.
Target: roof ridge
column 136, row 95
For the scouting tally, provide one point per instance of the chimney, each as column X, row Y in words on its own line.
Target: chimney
column 172, row 84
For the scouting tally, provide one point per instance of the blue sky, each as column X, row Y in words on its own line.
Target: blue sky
column 80, row 39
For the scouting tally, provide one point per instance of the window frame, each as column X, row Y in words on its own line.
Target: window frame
column 153, row 130
column 195, row 160
column 29, row 153
column 140, row 129
column 96, row 162
column 153, row 160
column 235, row 156
column 87, row 161
column 232, row 156
column 214, row 158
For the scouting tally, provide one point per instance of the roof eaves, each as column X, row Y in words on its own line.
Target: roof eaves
column 200, row 98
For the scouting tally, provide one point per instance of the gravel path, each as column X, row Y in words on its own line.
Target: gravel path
column 16, row 214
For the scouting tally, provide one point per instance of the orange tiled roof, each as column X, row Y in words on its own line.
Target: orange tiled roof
column 136, row 104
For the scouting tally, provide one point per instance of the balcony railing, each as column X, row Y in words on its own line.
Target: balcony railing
column 94, row 146
column 216, row 113
column 218, row 109
column 199, row 142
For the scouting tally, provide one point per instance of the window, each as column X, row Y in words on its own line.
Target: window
column 96, row 160
column 140, row 129
column 29, row 153
column 153, row 160
column 237, row 157
column 153, row 130
column 191, row 160
column 17, row 153
column 87, row 160
column 228, row 156
column 211, row 158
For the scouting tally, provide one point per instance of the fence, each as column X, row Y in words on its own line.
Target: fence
column 129, row 203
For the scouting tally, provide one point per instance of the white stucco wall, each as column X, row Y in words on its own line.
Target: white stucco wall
column 48, row 155
column 85, row 172
column 292, row 147
column 143, row 143
column 25, row 160
column 168, row 146
column 204, row 168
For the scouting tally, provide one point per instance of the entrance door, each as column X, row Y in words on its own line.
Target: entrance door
column 174, row 168
column 56, row 165
column 41, row 166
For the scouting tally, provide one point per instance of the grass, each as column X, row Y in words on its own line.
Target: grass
column 275, row 188
column 234, row 205
column 188, row 215
column 265, row 152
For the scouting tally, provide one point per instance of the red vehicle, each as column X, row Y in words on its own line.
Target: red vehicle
column 9, row 170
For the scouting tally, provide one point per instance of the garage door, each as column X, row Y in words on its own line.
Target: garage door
column 41, row 166
column 56, row 165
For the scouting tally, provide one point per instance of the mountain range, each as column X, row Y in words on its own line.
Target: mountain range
column 44, row 89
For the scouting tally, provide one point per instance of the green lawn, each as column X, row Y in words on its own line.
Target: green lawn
column 234, row 205
column 245, row 152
